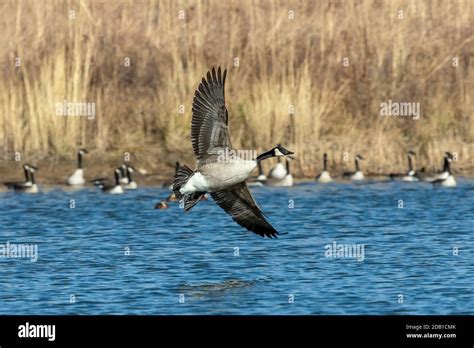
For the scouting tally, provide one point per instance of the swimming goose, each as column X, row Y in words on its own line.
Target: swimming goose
column 77, row 177
column 18, row 185
column 131, row 185
column 224, row 180
column 172, row 197
column 260, row 179
column 115, row 188
column 123, row 174
column 33, row 188
column 286, row 181
column 411, row 174
column 357, row 175
column 161, row 205
column 278, row 172
column 445, row 178
column 324, row 176
column 261, row 175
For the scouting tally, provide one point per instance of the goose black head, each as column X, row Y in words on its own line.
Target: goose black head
column 449, row 156
column 130, row 169
column 411, row 153
column 279, row 151
column 359, row 157
column 325, row 156
column 26, row 166
column 82, row 151
column 32, row 168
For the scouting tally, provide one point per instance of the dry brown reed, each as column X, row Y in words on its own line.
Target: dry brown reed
column 286, row 60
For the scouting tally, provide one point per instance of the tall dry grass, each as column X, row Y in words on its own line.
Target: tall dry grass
column 283, row 61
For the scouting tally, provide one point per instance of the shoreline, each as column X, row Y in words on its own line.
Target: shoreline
column 149, row 171
column 57, row 178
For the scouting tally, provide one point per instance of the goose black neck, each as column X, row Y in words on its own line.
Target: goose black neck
column 117, row 179
column 32, row 175
column 446, row 167
column 260, row 169
column 287, row 167
column 410, row 165
column 325, row 163
column 27, row 174
column 129, row 176
column 357, row 164
column 266, row 155
column 176, row 168
column 79, row 160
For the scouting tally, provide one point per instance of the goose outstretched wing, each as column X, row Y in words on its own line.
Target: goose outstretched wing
column 209, row 126
column 238, row 202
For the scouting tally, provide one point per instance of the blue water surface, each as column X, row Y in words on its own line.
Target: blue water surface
column 117, row 255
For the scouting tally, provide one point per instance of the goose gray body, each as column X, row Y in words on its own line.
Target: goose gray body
column 223, row 179
column 216, row 176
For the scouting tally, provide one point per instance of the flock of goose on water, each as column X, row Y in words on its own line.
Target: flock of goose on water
column 279, row 175
column 226, row 182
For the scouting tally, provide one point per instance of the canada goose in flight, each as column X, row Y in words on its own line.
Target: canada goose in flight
column 324, row 176
column 411, row 174
column 19, row 185
column 224, row 180
column 114, row 188
column 278, row 172
column 446, row 178
column 357, row 175
column 169, row 184
column 77, row 177
column 131, row 185
column 286, row 181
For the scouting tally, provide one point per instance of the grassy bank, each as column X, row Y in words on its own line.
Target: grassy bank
column 290, row 86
